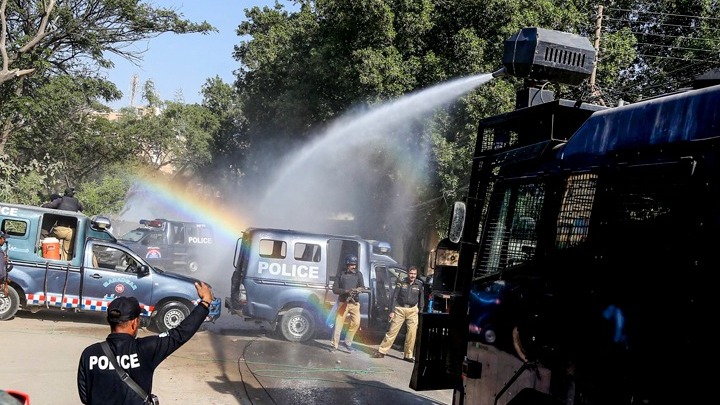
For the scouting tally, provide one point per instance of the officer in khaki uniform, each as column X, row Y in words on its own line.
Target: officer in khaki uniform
column 406, row 301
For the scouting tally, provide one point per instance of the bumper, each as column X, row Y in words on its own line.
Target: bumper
column 215, row 310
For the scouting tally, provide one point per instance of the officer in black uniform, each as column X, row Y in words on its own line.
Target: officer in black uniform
column 407, row 300
column 67, row 202
column 99, row 383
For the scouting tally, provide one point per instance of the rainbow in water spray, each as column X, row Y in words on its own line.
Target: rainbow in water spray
column 160, row 198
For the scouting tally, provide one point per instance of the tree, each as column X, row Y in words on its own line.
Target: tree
column 39, row 40
column 301, row 69
column 229, row 144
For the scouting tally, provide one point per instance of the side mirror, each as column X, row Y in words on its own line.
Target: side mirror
column 144, row 270
column 457, row 222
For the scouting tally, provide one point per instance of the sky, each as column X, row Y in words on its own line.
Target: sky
column 182, row 63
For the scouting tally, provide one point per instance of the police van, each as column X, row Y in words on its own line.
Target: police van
column 285, row 277
column 97, row 269
column 171, row 245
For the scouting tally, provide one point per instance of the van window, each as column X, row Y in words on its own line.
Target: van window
column 14, row 227
column 153, row 239
column 198, row 231
column 307, row 252
column 275, row 249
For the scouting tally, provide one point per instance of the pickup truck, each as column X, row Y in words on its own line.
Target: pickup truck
column 171, row 245
column 97, row 270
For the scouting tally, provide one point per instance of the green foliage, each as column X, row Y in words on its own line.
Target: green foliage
column 229, row 143
column 106, row 195
column 50, row 41
column 27, row 184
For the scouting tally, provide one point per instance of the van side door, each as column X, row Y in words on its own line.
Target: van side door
column 337, row 250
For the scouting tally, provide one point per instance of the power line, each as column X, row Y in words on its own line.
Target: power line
column 627, row 10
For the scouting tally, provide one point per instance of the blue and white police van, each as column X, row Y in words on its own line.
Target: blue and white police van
column 285, row 277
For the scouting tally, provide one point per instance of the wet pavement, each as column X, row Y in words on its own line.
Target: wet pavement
column 229, row 362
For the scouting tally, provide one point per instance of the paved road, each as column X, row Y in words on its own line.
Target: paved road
column 229, row 362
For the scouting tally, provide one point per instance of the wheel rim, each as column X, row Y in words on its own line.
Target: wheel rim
column 490, row 336
column 298, row 325
column 173, row 318
column 4, row 303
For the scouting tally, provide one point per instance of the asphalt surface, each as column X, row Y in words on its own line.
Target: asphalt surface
column 229, row 362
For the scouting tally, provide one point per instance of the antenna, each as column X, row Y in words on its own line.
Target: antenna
column 133, row 89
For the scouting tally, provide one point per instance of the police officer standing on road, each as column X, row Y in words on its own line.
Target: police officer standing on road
column 99, row 383
column 407, row 300
column 348, row 286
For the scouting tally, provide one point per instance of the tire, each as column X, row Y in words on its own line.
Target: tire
column 170, row 316
column 518, row 346
column 297, row 325
column 9, row 304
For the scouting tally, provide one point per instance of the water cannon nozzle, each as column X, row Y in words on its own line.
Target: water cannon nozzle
column 500, row 72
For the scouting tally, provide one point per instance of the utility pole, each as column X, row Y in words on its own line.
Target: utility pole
column 598, row 29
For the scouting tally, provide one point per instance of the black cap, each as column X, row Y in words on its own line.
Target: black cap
column 123, row 309
column 3, row 234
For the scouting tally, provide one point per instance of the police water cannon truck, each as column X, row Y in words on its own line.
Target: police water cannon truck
column 97, row 270
column 285, row 278
column 586, row 246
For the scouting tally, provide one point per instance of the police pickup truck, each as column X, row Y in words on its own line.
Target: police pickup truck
column 285, row 277
column 171, row 245
column 97, row 270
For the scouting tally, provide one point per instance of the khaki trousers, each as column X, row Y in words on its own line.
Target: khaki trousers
column 65, row 235
column 409, row 316
column 352, row 311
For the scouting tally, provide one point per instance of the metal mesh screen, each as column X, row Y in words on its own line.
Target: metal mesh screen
column 511, row 234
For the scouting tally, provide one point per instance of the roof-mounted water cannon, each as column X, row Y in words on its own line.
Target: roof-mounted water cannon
column 541, row 56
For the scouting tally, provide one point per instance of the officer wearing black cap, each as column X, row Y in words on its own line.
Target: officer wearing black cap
column 99, row 383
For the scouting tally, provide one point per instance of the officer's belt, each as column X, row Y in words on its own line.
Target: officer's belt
column 406, row 306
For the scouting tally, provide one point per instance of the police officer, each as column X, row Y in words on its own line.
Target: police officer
column 67, row 202
column 347, row 286
column 64, row 229
column 407, row 299
column 99, row 383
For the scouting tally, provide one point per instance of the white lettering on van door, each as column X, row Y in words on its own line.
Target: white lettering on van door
column 195, row 239
column 11, row 211
column 295, row 270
